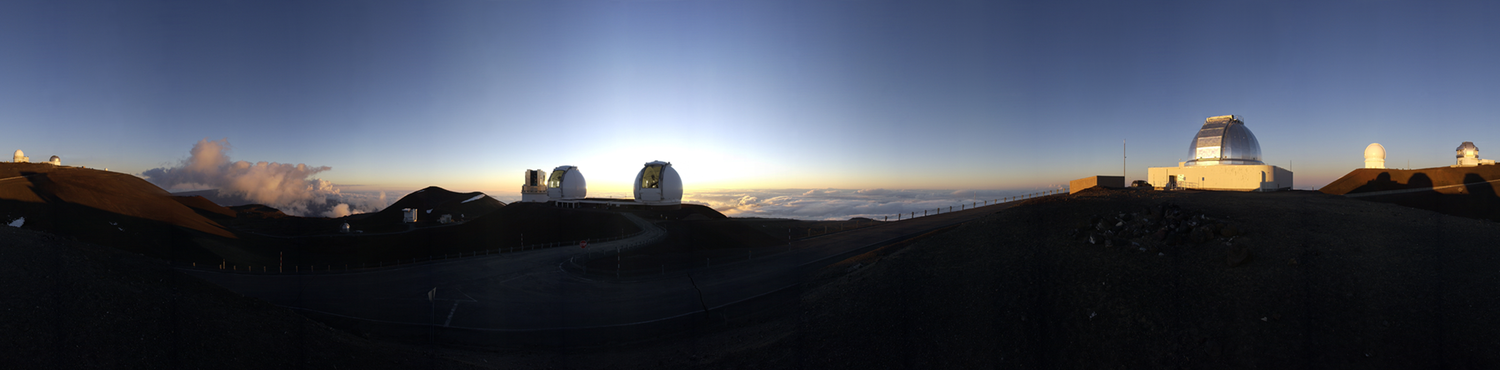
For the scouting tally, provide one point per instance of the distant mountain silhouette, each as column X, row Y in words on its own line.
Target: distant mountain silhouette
column 432, row 202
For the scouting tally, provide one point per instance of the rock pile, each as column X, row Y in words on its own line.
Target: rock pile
column 1160, row 226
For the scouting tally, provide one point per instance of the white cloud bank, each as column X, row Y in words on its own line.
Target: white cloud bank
column 841, row 204
column 284, row 186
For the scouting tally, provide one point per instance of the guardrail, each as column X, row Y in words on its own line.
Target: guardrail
column 724, row 256
column 224, row 266
column 962, row 207
column 335, row 268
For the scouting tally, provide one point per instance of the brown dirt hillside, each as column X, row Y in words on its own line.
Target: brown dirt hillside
column 205, row 207
column 1428, row 188
column 503, row 228
column 1364, row 180
column 1309, row 281
column 265, row 220
column 28, row 188
column 72, row 305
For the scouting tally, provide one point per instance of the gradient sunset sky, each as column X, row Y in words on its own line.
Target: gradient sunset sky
column 744, row 94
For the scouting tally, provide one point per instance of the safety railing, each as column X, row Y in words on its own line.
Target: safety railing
column 972, row 205
column 305, row 268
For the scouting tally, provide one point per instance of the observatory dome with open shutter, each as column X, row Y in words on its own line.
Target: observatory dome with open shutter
column 1224, row 140
column 566, row 182
column 534, row 190
column 658, row 184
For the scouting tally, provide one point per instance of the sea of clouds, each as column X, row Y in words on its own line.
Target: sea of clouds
column 290, row 188
column 841, row 204
column 829, row 204
column 293, row 189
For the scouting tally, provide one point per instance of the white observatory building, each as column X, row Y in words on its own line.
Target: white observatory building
column 1225, row 156
column 534, row 190
column 55, row 161
column 566, row 183
column 21, row 157
column 1468, row 156
column 1375, row 156
column 658, row 185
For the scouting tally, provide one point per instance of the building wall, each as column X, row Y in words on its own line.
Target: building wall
column 1223, row 177
column 1092, row 181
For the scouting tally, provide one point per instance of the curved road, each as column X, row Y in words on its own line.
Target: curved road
column 530, row 292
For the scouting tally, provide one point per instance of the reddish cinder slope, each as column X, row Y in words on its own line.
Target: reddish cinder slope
column 1460, row 191
column 1365, row 180
column 43, row 194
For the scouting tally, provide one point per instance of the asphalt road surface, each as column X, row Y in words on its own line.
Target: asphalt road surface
column 529, row 291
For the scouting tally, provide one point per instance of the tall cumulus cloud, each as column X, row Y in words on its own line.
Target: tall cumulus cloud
column 284, row 186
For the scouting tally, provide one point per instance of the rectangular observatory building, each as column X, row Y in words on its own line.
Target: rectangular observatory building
column 1226, row 156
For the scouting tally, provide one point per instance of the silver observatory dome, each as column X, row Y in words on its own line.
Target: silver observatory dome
column 1224, row 140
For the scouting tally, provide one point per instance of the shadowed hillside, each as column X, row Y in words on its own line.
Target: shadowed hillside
column 92, row 307
column 1460, row 191
column 431, row 203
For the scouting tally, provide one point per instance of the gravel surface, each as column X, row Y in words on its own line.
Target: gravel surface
column 71, row 305
column 1172, row 280
column 1328, row 282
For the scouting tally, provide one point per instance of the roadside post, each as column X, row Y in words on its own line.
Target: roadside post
column 432, row 315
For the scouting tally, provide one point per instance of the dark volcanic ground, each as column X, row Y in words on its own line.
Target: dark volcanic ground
column 71, row 305
column 1308, row 280
column 1329, row 282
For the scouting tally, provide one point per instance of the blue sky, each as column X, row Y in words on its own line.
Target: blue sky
column 743, row 94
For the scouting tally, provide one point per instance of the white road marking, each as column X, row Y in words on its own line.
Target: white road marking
column 450, row 314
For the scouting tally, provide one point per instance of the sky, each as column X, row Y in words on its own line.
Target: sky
column 743, row 95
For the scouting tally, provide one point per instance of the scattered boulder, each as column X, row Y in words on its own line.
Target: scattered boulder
column 1237, row 254
column 1160, row 224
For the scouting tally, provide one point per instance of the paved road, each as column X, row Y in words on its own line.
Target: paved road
column 529, row 291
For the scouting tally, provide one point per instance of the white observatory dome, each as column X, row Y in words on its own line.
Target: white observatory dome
column 566, row 183
column 1375, row 156
column 55, row 161
column 20, row 156
column 658, row 184
column 1224, row 140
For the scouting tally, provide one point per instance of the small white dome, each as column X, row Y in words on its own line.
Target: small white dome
column 1375, row 156
column 658, row 183
column 20, row 156
column 1375, row 151
column 567, row 182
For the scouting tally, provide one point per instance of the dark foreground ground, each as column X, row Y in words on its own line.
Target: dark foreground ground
column 1279, row 280
column 71, row 305
column 1322, row 282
